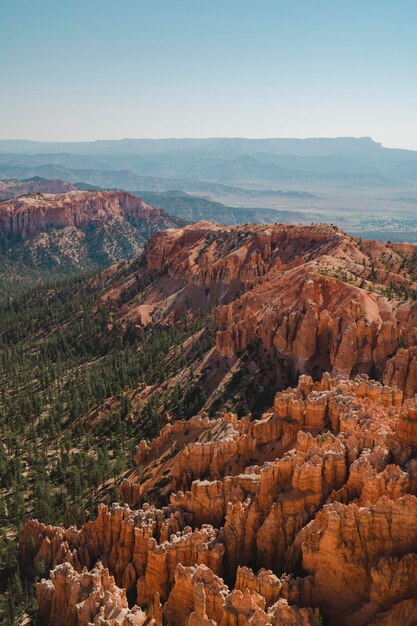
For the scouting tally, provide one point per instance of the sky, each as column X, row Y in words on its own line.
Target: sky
column 108, row 69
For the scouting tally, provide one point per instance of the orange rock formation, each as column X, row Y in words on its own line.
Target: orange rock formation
column 401, row 370
column 314, row 298
column 30, row 215
column 80, row 599
column 310, row 510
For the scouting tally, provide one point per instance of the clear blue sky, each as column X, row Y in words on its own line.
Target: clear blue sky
column 88, row 69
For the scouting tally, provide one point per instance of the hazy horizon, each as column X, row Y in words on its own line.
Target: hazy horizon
column 77, row 71
column 212, row 137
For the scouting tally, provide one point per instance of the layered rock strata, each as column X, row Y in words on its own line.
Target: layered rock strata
column 28, row 216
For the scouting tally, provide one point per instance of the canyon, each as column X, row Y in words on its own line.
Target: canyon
column 297, row 506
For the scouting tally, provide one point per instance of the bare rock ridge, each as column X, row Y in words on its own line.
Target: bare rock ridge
column 30, row 215
column 311, row 508
column 312, row 298
column 75, row 231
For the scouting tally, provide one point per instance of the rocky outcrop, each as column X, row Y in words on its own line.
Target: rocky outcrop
column 129, row 492
column 315, row 322
column 27, row 216
column 86, row 598
column 118, row 537
column 401, row 371
column 348, row 550
column 200, row 546
column 308, row 299
column 75, row 231
column 140, row 548
column 406, row 432
column 205, row 600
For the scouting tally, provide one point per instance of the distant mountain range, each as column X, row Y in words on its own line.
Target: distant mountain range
column 346, row 181
column 249, row 161
column 195, row 209
column 325, row 146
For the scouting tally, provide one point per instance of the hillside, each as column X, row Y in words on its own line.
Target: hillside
column 45, row 234
column 195, row 209
column 165, row 380
column 313, row 296
column 14, row 188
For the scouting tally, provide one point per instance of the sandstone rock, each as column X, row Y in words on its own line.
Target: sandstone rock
column 310, row 510
column 401, row 371
column 81, row 599
column 307, row 295
column 197, row 588
column 342, row 550
column 27, row 216
column 199, row 616
column 129, row 492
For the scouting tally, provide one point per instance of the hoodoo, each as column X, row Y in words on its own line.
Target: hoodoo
column 307, row 511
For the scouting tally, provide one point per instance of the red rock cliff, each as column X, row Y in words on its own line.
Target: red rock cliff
column 314, row 298
column 28, row 216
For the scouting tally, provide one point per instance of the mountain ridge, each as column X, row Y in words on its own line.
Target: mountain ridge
column 72, row 232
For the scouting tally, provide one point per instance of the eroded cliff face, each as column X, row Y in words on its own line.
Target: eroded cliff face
column 27, row 216
column 401, row 370
column 310, row 510
column 75, row 231
column 81, row 599
column 313, row 298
